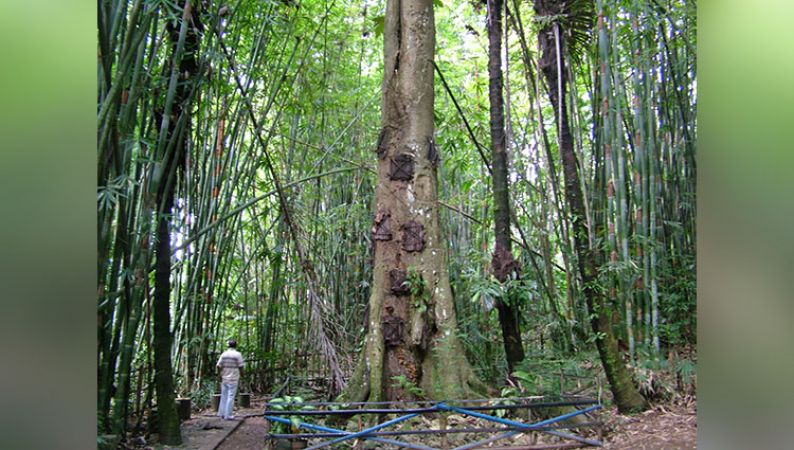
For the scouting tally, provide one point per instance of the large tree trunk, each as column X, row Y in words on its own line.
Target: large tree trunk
column 550, row 39
column 412, row 337
column 504, row 265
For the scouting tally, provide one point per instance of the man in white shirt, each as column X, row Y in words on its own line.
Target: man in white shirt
column 231, row 367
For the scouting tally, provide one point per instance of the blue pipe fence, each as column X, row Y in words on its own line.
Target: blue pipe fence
column 503, row 428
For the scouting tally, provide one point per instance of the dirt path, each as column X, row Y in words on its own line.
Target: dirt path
column 206, row 432
column 249, row 435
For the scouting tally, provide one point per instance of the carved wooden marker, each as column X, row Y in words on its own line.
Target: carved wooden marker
column 381, row 231
column 393, row 328
column 402, row 167
column 398, row 282
column 413, row 236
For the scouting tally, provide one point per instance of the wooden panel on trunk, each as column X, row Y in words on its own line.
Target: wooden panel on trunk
column 413, row 236
column 393, row 328
column 381, row 231
column 504, row 264
column 402, row 167
column 398, row 282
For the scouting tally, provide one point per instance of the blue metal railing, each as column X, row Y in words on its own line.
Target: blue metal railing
column 374, row 433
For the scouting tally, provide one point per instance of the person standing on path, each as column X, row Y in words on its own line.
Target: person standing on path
column 231, row 366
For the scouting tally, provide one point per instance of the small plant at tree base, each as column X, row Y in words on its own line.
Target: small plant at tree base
column 653, row 376
column 685, row 374
column 402, row 382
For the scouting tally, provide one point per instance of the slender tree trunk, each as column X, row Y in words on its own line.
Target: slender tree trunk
column 504, row 264
column 167, row 418
column 552, row 64
column 175, row 123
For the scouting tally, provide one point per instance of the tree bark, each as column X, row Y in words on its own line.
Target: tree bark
column 185, row 43
column 167, row 418
column 503, row 262
column 411, row 348
column 625, row 393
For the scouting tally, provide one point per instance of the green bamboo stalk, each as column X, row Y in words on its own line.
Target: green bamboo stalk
column 650, row 162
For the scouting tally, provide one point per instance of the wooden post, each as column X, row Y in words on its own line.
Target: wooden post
column 244, row 400
column 443, row 426
column 183, row 408
column 599, row 419
column 533, row 437
column 216, row 402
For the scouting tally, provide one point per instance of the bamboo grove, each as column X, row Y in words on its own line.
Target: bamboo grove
column 235, row 173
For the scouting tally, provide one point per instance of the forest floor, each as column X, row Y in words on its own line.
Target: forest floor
column 670, row 425
column 665, row 426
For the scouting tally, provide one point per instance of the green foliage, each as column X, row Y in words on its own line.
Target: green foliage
column 378, row 24
column 515, row 290
column 201, row 397
column 662, row 379
column 685, row 369
column 595, row 337
column 543, row 374
column 485, row 290
column 288, row 403
column 652, row 375
column 418, row 288
column 678, row 303
column 107, row 442
column 506, row 392
column 402, row 382
column 108, row 195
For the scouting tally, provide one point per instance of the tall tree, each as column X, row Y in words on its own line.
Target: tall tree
column 412, row 338
column 555, row 15
column 503, row 262
column 172, row 144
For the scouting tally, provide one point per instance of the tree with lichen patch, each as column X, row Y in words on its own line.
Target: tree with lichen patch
column 411, row 302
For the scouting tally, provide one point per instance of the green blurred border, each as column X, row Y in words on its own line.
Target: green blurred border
column 745, row 205
column 48, row 225
column 745, row 243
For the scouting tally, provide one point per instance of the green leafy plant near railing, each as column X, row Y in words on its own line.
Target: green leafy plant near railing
column 287, row 403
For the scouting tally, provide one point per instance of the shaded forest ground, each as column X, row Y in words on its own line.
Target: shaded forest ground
column 668, row 425
column 665, row 426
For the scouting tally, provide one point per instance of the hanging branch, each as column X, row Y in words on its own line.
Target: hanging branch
column 465, row 122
